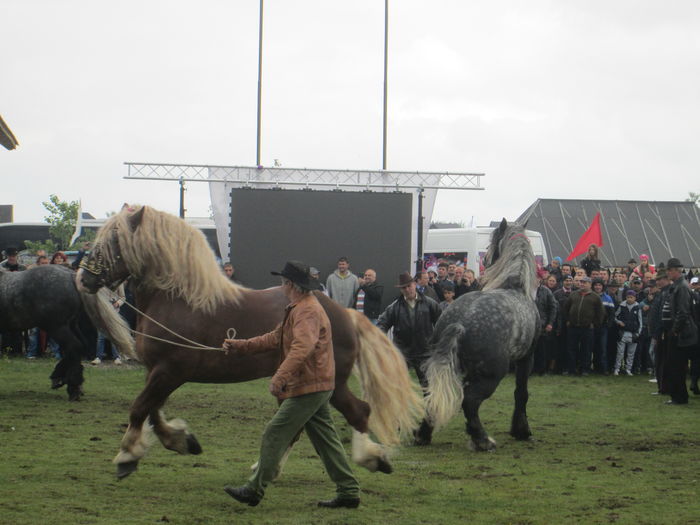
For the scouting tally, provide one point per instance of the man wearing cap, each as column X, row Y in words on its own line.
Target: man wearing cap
column 315, row 274
column 656, row 322
column 11, row 264
column 303, row 384
column 680, row 332
column 629, row 320
column 413, row 317
column 584, row 311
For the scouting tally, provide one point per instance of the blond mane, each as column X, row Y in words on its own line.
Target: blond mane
column 165, row 253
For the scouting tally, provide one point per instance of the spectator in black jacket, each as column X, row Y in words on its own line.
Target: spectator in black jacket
column 655, row 319
column 561, row 296
column 695, row 354
column 547, row 307
column 369, row 297
column 681, row 333
column 591, row 261
column 413, row 317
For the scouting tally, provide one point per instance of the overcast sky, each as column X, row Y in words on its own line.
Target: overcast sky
column 554, row 99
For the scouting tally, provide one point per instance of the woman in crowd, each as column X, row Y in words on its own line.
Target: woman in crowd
column 60, row 258
column 591, row 261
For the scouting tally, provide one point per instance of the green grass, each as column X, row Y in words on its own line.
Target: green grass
column 604, row 451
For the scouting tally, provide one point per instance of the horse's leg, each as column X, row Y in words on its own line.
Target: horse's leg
column 476, row 390
column 134, row 444
column 68, row 370
column 365, row 452
column 174, row 434
column 519, row 427
column 282, row 462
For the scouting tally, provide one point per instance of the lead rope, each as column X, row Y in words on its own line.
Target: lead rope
column 230, row 333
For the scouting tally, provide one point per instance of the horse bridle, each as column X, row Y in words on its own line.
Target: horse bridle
column 96, row 265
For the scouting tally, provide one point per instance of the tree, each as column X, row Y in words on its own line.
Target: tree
column 693, row 197
column 62, row 218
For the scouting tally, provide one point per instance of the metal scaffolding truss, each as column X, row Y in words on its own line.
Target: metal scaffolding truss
column 247, row 176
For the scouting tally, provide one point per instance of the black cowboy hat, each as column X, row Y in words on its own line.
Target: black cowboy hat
column 9, row 252
column 673, row 263
column 404, row 280
column 299, row 273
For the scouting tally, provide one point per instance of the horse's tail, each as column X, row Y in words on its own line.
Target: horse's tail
column 444, row 376
column 395, row 400
column 106, row 318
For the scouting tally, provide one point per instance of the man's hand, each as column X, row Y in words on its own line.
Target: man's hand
column 548, row 328
column 229, row 344
column 276, row 386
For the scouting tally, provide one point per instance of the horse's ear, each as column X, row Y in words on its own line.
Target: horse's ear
column 135, row 219
column 504, row 224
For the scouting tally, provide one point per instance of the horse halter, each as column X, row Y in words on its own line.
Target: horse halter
column 96, row 265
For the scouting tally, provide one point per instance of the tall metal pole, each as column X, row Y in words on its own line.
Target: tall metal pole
column 182, row 198
column 419, row 240
column 386, row 55
column 260, row 44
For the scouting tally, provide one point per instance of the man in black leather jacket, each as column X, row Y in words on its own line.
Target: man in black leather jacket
column 413, row 317
column 681, row 333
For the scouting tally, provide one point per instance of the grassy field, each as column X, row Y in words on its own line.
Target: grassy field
column 604, row 451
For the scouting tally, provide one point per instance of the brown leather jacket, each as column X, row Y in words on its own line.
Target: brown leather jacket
column 307, row 364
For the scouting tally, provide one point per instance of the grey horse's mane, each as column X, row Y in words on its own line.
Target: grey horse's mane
column 510, row 261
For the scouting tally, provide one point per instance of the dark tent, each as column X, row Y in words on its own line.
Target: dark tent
column 630, row 228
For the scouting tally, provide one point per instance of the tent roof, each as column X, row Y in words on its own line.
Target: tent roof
column 661, row 229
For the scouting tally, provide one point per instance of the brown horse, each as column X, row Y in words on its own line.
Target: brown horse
column 179, row 288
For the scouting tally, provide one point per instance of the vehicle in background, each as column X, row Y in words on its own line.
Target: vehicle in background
column 467, row 247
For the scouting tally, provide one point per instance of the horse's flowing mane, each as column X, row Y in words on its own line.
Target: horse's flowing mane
column 165, row 253
column 511, row 261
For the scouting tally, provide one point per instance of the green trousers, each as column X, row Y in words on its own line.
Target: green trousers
column 310, row 412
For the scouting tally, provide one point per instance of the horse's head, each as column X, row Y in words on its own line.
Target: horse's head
column 494, row 250
column 105, row 265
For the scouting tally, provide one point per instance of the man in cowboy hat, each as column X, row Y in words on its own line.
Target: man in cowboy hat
column 303, row 384
column 680, row 332
column 413, row 317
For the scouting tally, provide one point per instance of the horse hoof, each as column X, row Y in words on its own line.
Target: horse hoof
column 193, row 446
column 74, row 393
column 421, row 441
column 521, row 435
column 384, row 466
column 484, row 445
column 56, row 383
column 126, row 468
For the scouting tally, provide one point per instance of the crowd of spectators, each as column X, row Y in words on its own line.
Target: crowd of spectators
column 594, row 319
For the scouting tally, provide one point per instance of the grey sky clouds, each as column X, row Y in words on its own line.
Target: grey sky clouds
column 570, row 99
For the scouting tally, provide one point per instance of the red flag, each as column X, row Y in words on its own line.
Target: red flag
column 592, row 235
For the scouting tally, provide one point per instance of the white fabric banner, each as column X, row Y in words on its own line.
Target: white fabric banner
column 295, row 179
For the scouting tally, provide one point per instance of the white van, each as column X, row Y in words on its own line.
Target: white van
column 467, row 247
